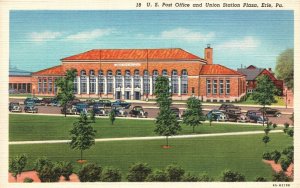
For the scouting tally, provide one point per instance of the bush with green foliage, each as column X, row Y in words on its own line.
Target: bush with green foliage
column 157, row 176
column 47, row 171
column 111, row 174
column 267, row 156
column 232, row 176
column 174, row 173
column 266, row 139
column 280, row 177
column 138, row 172
column 28, row 180
column 289, row 153
column 112, row 116
column 284, row 163
column 90, row 172
column 290, row 132
column 260, row 179
column 189, row 178
column 274, row 125
column 17, row 165
column 66, row 169
column 205, row 178
column 275, row 155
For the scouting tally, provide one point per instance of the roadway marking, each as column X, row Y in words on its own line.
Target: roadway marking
column 147, row 138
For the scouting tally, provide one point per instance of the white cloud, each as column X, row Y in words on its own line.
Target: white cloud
column 186, row 35
column 44, row 36
column 89, row 35
column 243, row 44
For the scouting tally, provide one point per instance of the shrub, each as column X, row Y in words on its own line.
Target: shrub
column 28, row 180
column 274, row 125
column 290, row 132
column 231, row 176
column 289, row 152
column 157, row 176
column 17, row 165
column 266, row 139
column 66, row 169
column 138, row 172
column 285, row 163
column 267, row 156
column 260, row 179
column 174, row 173
column 47, row 171
column 267, row 130
column 90, row 173
column 189, row 178
column 286, row 125
column 280, row 177
column 275, row 155
column 110, row 174
column 205, row 178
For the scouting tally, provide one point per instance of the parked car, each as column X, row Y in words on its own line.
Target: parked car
column 14, row 107
column 55, row 102
column 256, row 116
column 223, row 107
column 270, row 112
column 90, row 102
column 120, row 111
column 233, row 114
column 30, row 108
column 46, row 101
column 35, row 100
column 121, row 103
column 138, row 111
column 74, row 102
column 105, row 103
column 216, row 115
column 69, row 109
column 243, row 119
column 81, row 107
column 100, row 109
column 176, row 111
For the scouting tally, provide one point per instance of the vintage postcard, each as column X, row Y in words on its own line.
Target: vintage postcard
column 114, row 93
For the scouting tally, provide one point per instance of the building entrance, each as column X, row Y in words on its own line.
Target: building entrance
column 137, row 95
column 127, row 95
column 118, row 94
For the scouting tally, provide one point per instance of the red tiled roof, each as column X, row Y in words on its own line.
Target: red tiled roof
column 216, row 69
column 56, row 70
column 133, row 54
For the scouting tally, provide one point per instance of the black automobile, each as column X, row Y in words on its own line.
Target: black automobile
column 46, row 101
column 90, row 102
column 256, row 116
column 105, row 103
column 138, row 111
column 14, row 107
column 176, row 111
column 30, row 108
column 100, row 109
column 34, row 100
column 224, row 107
column 270, row 112
column 121, row 103
column 233, row 114
column 119, row 111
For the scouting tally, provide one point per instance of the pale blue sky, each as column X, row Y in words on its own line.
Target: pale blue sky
column 39, row 39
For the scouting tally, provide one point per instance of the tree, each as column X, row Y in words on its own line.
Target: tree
column 110, row 174
column 290, row 132
column 289, row 152
column 47, row 171
column 193, row 114
column 284, row 163
column 157, row 176
column 92, row 116
column 66, row 88
column 174, row 172
column 264, row 93
column 266, row 139
column 284, row 69
column 90, row 173
column 280, row 177
column 17, row 165
column 166, row 121
column 138, row 172
column 231, row 176
column 275, row 155
column 66, row 169
column 82, row 134
column 112, row 116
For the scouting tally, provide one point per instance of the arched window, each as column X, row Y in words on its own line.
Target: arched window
column 154, row 76
column 118, row 73
column 146, row 82
column 164, row 72
column 119, row 79
column 109, row 81
column 92, row 82
column 137, row 79
column 100, row 81
column 127, row 79
column 83, row 82
column 174, row 82
column 92, row 73
column 184, row 82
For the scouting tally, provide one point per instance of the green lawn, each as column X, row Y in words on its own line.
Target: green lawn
column 249, row 100
column 32, row 127
column 195, row 155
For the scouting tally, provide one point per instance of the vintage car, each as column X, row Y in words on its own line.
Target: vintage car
column 74, row 102
column 176, row 111
column 81, row 107
column 120, row 111
column 34, row 100
column 138, row 111
column 216, row 115
column 256, row 116
column 233, row 114
column 243, row 119
column 105, row 103
column 69, row 109
column 55, row 102
column 46, row 101
column 30, row 108
column 90, row 102
column 14, row 107
column 121, row 103
column 100, row 109
column 270, row 112
column 224, row 107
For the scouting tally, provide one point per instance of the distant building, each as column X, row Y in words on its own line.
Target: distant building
column 20, row 81
column 253, row 72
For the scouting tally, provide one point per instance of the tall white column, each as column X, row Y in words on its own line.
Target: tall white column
column 179, row 86
column 105, row 85
column 142, row 85
column 87, row 85
column 151, row 90
column 97, row 84
column 78, row 85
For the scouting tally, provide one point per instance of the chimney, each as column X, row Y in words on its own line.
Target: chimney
column 208, row 54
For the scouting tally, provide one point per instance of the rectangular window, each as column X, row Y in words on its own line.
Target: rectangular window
column 92, row 84
column 137, row 81
column 215, row 87
column 208, row 87
column 45, row 85
column 146, row 83
column 50, row 85
column 193, row 90
column 101, row 84
column 221, row 85
column 227, row 87
column 109, row 84
column 40, row 86
column 75, row 85
column 83, row 84
column 184, row 84
column 55, row 87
